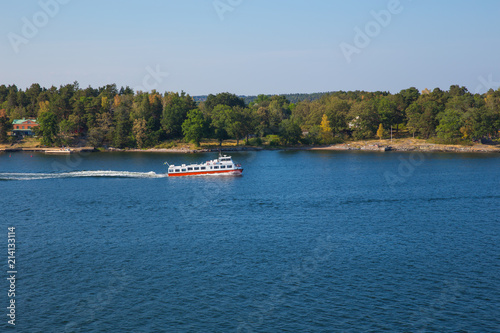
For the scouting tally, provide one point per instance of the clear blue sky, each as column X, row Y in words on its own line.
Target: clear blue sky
column 261, row 46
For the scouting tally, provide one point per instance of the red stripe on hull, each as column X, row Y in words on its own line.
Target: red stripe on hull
column 180, row 174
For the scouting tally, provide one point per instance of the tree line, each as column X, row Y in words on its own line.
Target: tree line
column 108, row 116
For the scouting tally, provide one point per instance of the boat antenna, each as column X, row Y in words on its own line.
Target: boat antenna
column 166, row 163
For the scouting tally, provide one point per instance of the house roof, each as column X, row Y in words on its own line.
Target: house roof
column 22, row 121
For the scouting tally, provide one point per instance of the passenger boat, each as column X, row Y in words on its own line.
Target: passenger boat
column 223, row 165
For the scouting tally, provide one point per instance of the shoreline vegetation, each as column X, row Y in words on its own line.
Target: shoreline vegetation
column 455, row 120
column 396, row 145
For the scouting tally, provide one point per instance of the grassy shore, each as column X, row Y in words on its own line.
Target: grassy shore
column 406, row 144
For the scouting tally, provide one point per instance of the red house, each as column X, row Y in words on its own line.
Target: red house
column 24, row 126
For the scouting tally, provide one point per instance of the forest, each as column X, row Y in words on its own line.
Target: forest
column 122, row 118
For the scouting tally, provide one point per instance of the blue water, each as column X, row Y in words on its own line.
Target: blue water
column 303, row 242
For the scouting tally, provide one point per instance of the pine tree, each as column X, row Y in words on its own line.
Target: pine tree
column 5, row 125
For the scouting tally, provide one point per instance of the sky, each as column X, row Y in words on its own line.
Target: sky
column 251, row 47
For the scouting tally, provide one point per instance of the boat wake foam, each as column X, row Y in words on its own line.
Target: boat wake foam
column 78, row 174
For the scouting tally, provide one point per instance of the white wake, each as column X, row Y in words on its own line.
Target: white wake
column 79, row 174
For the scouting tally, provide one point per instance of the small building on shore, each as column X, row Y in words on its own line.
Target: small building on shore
column 22, row 127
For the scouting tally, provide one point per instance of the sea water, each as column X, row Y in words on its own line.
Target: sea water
column 304, row 241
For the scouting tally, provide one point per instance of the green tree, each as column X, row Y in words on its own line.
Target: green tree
column 409, row 96
column 337, row 110
column 102, row 133
column 260, row 100
column 364, row 119
column 239, row 123
column 122, row 123
column 388, row 112
column 221, row 118
column 450, row 123
column 248, row 121
column 422, row 117
column 32, row 94
column 195, row 126
column 5, row 126
column 479, row 123
column 175, row 113
column 47, row 128
column 67, row 127
column 290, row 131
column 313, row 136
column 456, row 90
column 226, row 99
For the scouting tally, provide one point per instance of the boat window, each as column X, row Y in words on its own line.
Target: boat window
column 222, row 166
column 197, row 168
column 203, row 168
column 177, row 170
column 183, row 170
column 216, row 167
column 229, row 166
column 190, row 169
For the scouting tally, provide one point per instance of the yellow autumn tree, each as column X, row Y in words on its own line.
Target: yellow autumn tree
column 104, row 103
column 44, row 107
column 139, row 129
column 117, row 101
column 326, row 129
column 153, row 97
column 380, row 132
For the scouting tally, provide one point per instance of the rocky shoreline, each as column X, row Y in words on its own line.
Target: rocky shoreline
column 427, row 147
column 437, row 148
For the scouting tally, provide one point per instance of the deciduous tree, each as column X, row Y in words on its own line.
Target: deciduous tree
column 380, row 132
column 195, row 126
column 290, row 131
column 139, row 130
